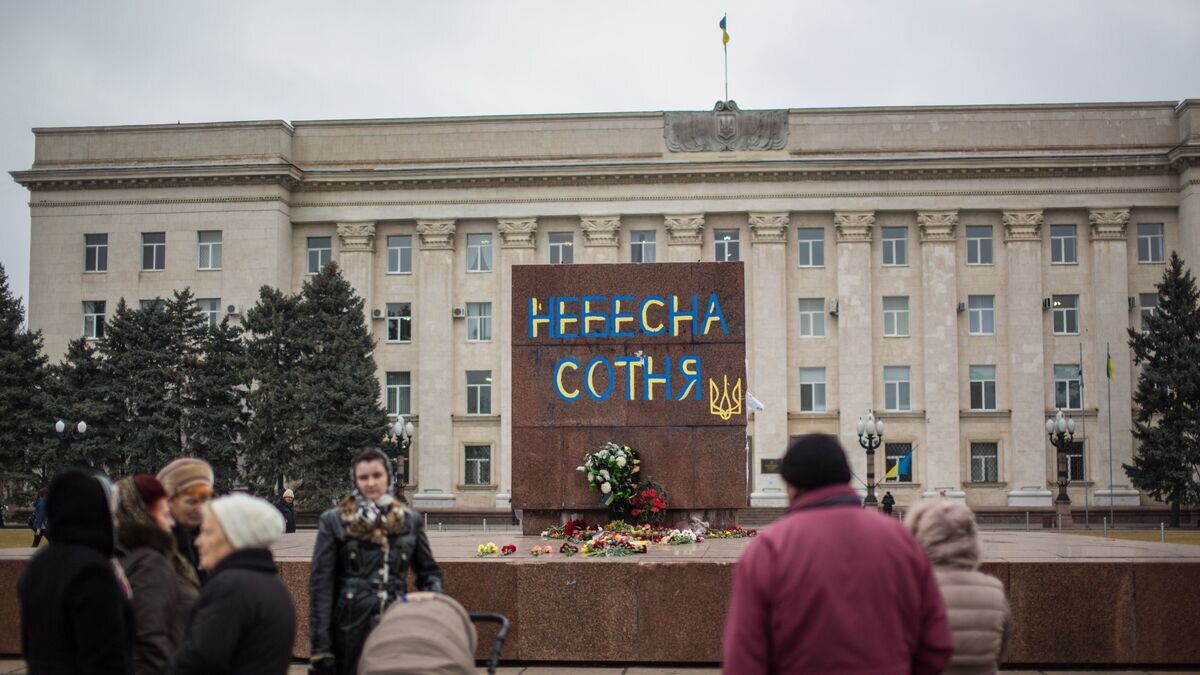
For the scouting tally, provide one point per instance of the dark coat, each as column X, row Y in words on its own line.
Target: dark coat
column 75, row 617
column 244, row 622
column 346, row 580
column 289, row 516
column 185, row 541
column 39, row 514
column 888, row 502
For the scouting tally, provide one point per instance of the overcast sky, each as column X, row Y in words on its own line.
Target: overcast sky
column 124, row 62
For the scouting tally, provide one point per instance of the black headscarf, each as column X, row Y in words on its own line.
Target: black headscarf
column 78, row 511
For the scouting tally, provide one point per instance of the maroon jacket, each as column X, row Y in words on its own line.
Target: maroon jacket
column 831, row 588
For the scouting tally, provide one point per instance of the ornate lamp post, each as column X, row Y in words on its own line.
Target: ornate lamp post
column 67, row 434
column 1061, row 430
column 400, row 434
column 870, row 437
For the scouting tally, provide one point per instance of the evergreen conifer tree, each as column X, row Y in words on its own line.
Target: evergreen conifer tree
column 218, row 415
column 81, row 389
column 1167, row 401
column 26, row 423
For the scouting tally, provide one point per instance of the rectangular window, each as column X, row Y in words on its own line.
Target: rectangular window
column 479, row 392
column 211, row 309
column 983, row 387
column 895, row 316
column 898, row 453
column 154, row 251
column 399, row 254
column 1150, row 242
column 812, row 317
column 479, row 321
column 93, row 319
column 895, row 246
column 1066, row 314
column 147, row 305
column 320, row 253
column 726, row 246
column 209, row 245
column 95, row 252
column 641, row 246
column 896, row 388
column 1149, row 307
column 812, row 246
column 399, row 393
column 812, row 389
column 1075, row 467
column 479, row 465
column 985, row 463
column 1068, row 387
column 979, row 244
column 479, row 253
column 562, row 248
column 981, row 314
column 1063, row 245
column 399, row 322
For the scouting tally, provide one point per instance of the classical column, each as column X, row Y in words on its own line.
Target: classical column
column 1026, row 360
column 356, row 257
column 518, row 246
column 1189, row 215
column 1110, row 287
column 685, row 238
column 856, row 362
column 767, row 350
column 939, row 317
column 600, row 238
column 437, row 373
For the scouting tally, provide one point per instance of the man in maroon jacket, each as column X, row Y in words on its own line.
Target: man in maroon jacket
column 831, row 588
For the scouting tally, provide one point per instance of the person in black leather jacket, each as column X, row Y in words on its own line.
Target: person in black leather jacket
column 365, row 546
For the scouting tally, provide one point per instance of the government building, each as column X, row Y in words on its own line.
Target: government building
column 962, row 271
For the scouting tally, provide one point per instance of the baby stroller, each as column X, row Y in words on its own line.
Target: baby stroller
column 427, row 633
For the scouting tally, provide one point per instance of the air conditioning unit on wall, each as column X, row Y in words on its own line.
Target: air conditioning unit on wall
column 233, row 310
column 378, row 314
column 458, row 312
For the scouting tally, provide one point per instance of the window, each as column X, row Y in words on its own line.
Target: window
column 320, row 253
column 1149, row 307
column 479, row 321
column 985, row 463
column 479, row 392
column 1066, row 314
column 979, row 244
column 479, row 253
column 152, row 304
column 812, row 246
column 95, row 253
column 726, row 246
column 93, row 319
column 895, row 246
column 981, row 314
column 399, row 322
column 641, row 246
column 1150, row 242
column 812, row 317
column 897, row 453
column 1074, row 453
column 1062, row 245
column 562, row 248
column 896, row 388
column 479, row 465
column 812, row 389
column 209, row 244
column 983, row 387
column 1068, row 387
column 399, row 254
column 895, row 316
column 399, row 393
column 211, row 309
column 154, row 251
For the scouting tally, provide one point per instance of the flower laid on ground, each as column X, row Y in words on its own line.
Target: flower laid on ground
column 649, row 503
column 677, row 537
column 576, row 530
column 487, row 549
column 508, row 549
column 540, row 550
column 568, row 549
column 612, row 470
column 612, row 544
column 732, row 532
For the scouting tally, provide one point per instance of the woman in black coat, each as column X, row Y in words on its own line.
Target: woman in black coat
column 244, row 621
column 75, row 616
column 364, row 549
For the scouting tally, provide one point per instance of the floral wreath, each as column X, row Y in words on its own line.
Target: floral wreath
column 612, row 471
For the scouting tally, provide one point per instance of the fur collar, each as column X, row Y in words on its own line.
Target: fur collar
column 394, row 523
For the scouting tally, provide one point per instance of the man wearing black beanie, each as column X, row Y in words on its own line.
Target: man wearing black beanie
column 830, row 587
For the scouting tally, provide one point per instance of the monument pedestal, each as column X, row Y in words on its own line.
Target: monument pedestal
column 1062, row 511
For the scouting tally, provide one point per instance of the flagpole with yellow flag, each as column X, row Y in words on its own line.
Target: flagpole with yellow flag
column 725, row 46
column 1108, row 373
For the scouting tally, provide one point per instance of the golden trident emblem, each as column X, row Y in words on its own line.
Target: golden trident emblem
column 722, row 402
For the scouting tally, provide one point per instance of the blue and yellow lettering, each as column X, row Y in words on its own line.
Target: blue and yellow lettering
column 564, row 317
column 691, row 376
column 591, row 379
column 644, row 315
column 677, row 316
column 558, row 379
column 632, row 362
column 619, row 317
column 713, row 313
column 535, row 318
column 590, row 316
column 663, row 378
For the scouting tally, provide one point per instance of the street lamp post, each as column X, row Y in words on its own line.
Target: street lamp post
column 400, row 434
column 1061, row 430
column 67, row 433
column 870, row 437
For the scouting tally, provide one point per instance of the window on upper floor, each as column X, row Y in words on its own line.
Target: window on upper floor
column 812, row 317
column 1150, row 242
column 981, row 314
column 479, row 321
column 812, row 389
column 979, row 244
column 726, row 246
column 897, row 388
column 320, row 253
column 95, row 252
column 641, row 246
column 479, row 252
column 895, row 316
column 211, row 309
column 983, row 387
column 562, row 248
column 154, row 251
column 208, row 245
column 1066, row 314
column 399, row 322
column 1063, row 245
column 1068, row 387
column 399, row 393
column 93, row 319
column 895, row 246
column 1148, row 307
column 479, row 392
column 399, row 254
column 811, row 244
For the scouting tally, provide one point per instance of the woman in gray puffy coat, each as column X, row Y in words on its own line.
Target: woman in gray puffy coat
column 975, row 602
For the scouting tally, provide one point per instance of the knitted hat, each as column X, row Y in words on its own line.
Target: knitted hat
column 814, row 461
column 149, row 488
column 288, row 493
column 184, row 473
column 248, row 522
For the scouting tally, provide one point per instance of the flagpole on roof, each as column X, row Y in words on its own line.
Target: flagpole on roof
column 725, row 47
column 1108, row 373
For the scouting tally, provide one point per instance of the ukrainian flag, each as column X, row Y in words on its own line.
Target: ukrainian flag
column 903, row 466
column 1108, row 368
column 724, row 33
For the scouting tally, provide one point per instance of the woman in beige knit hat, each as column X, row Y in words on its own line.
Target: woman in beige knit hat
column 189, row 485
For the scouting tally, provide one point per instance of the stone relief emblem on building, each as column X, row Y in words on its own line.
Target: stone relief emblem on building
column 725, row 128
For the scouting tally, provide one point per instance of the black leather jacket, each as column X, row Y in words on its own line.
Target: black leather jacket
column 354, row 578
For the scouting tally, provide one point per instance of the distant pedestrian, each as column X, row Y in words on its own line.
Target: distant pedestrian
column 888, row 502
column 831, row 587
column 287, row 507
column 189, row 485
column 75, row 617
column 39, row 521
column 979, row 612
column 244, row 622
